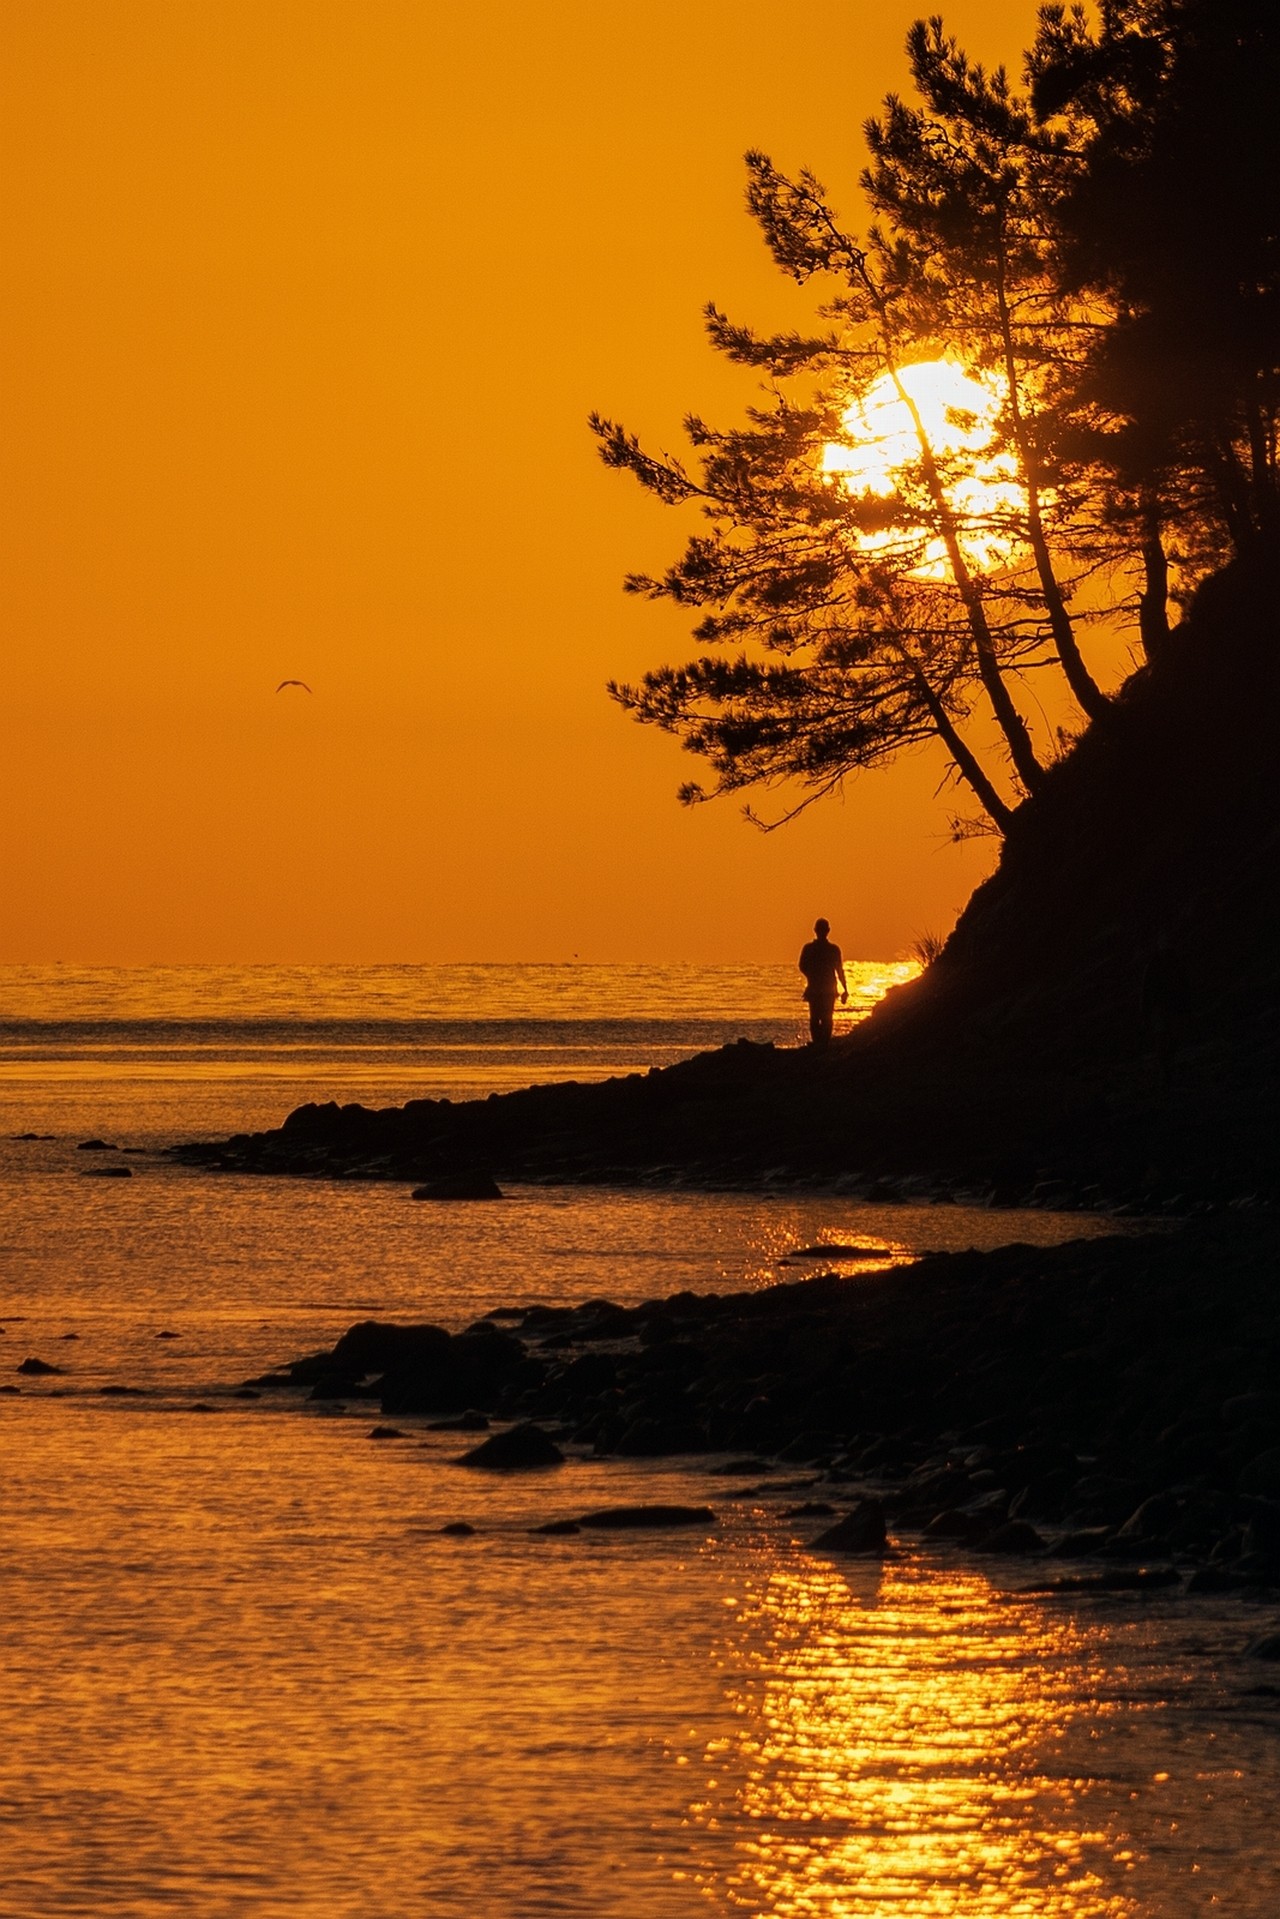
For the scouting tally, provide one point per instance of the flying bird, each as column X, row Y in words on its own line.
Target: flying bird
column 301, row 683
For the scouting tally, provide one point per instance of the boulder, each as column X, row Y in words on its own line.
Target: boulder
column 1015, row 1536
column 476, row 1185
column 1081, row 1543
column 519, row 1447
column 952, row 1524
column 94, row 1146
column 38, row 1368
column 468, row 1372
column 860, row 1531
column 458, row 1529
column 1153, row 1519
column 378, row 1346
column 107, row 1172
column 657, row 1438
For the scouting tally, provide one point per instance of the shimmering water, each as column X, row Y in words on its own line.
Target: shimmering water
column 244, row 1674
column 245, row 1044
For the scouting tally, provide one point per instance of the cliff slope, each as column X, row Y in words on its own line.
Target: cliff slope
column 1103, row 1019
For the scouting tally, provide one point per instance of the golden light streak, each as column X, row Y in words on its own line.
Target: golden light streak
column 902, row 1751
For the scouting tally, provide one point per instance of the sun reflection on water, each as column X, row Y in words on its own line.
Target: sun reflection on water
column 901, row 1753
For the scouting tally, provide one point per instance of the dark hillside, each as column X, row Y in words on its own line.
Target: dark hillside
column 1137, row 895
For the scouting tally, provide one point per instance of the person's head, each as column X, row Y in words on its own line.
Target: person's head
column 822, row 928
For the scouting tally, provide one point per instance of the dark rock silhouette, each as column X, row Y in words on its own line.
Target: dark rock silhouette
column 860, row 1531
column 459, row 1186
column 1104, row 1400
column 1145, row 1579
column 520, row 1446
column 638, row 1518
column 1014, row 1536
column 38, row 1368
column 471, row 1374
column 107, row 1172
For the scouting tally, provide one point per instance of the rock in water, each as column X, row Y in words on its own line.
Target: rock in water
column 459, row 1186
column 1015, row 1536
column 520, row 1446
column 628, row 1518
column 38, row 1368
column 107, row 1172
column 860, row 1531
column 837, row 1250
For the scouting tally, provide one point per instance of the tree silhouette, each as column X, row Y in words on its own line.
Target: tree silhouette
column 1172, row 216
column 1090, row 252
column 965, row 181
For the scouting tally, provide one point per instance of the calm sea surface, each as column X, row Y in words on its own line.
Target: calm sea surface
column 243, row 1672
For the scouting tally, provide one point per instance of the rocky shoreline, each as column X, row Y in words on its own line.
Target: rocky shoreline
column 864, row 1119
column 1111, row 1402
column 1044, row 1046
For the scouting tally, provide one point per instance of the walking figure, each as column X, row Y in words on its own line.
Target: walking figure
column 823, row 969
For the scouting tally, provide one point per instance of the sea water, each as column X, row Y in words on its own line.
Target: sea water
column 245, row 1673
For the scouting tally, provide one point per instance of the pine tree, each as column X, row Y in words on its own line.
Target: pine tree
column 1172, row 217
column 1104, row 254
column 965, row 183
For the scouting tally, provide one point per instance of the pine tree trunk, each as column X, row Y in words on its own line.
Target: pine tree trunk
column 964, row 759
column 1153, row 603
column 1011, row 723
column 1088, row 694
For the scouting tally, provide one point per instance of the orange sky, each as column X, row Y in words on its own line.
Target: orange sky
column 305, row 304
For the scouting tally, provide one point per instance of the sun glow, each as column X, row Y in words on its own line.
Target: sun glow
column 958, row 412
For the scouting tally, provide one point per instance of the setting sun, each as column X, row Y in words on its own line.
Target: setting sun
column 957, row 414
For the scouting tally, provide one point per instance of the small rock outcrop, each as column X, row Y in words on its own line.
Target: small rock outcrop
column 637, row 1518
column 459, row 1186
column 860, row 1531
column 519, row 1447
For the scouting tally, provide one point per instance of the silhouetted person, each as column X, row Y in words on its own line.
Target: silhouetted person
column 823, row 969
